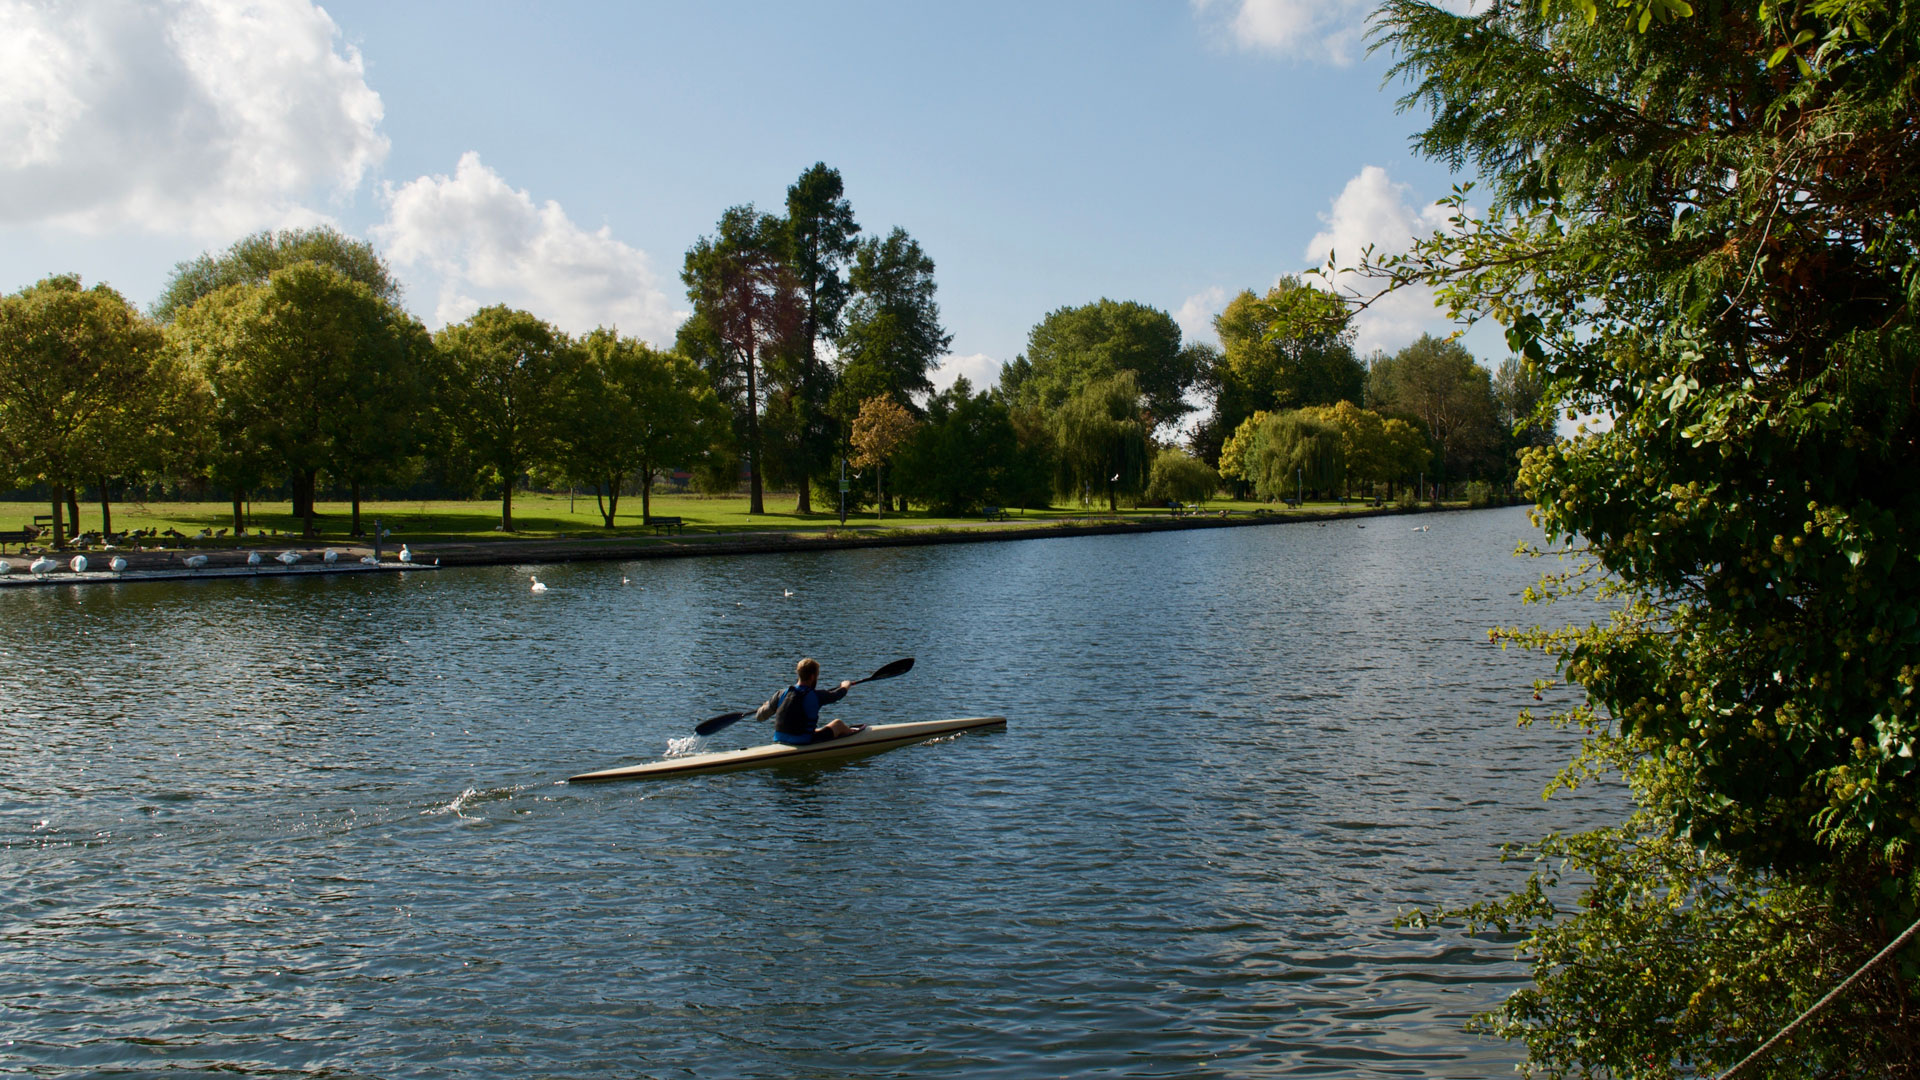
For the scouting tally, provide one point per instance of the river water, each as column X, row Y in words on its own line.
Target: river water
column 315, row 827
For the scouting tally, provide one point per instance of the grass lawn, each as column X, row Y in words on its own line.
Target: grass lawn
column 538, row 516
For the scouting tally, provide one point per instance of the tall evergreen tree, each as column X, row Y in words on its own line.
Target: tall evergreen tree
column 749, row 311
column 821, row 231
column 893, row 336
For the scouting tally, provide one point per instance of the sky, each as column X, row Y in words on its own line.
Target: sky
column 563, row 157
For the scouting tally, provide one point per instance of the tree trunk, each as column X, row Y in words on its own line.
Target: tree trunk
column 73, row 511
column 506, row 505
column 239, row 519
column 805, row 503
column 106, row 509
column 646, row 494
column 613, row 499
column 59, row 519
column 755, row 503
column 356, row 508
column 308, row 481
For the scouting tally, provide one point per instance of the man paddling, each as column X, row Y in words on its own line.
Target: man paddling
column 796, row 710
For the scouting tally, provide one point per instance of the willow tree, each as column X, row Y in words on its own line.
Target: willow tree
column 1101, row 436
column 1704, row 224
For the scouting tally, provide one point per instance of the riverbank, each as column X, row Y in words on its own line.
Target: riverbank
column 170, row 564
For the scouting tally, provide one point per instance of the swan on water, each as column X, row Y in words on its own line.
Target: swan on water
column 330, row 557
column 406, row 555
column 195, row 562
column 43, row 566
column 287, row 558
column 78, row 564
column 538, row 585
column 117, row 564
column 788, row 593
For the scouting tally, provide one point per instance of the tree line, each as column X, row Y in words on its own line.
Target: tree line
column 288, row 363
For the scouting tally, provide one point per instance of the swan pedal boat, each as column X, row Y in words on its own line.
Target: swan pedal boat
column 872, row 739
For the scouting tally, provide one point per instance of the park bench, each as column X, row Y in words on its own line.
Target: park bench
column 993, row 513
column 21, row 536
column 667, row 524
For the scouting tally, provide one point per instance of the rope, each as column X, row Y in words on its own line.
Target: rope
column 1760, row 1052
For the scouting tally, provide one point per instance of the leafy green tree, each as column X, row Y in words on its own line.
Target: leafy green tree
column 750, row 314
column 1074, row 347
column 253, row 259
column 966, row 454
column 821, row 233
column 507, row 372
column 893, row 335
column 1436, row 383
column 312, row 370
column 1287, row 350
column 1704, row 224
column 91, row 390
column 1180, row 477
column 1100, row 434
column 630, row 411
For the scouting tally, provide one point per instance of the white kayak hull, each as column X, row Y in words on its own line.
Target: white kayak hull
column 873, row 740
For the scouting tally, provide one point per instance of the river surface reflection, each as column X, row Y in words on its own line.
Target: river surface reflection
column 314, row 827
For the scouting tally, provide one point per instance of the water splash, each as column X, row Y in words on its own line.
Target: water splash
column 467, row 800
column 689, row 744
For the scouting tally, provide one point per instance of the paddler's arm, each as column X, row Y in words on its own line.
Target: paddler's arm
column 828, row 697
column 766, row 710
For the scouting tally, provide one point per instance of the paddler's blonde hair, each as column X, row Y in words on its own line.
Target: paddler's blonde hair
column 807, row 670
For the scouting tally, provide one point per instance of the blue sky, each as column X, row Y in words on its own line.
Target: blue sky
column 563, row 157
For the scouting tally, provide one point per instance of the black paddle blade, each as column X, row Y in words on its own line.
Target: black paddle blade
column 708, row 727
column 898, row 667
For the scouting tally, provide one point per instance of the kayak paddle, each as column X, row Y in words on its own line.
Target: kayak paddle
column 708, row 727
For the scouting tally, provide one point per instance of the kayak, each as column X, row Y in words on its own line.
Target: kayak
column 866, row 741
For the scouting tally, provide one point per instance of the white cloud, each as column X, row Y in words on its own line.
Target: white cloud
column 981, row 370
column 1373, row 210
column 487, row 242
column 1196, row 313
column 200, row 117
column 1329, row 30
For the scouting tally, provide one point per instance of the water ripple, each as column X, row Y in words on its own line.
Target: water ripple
column 312, row 827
